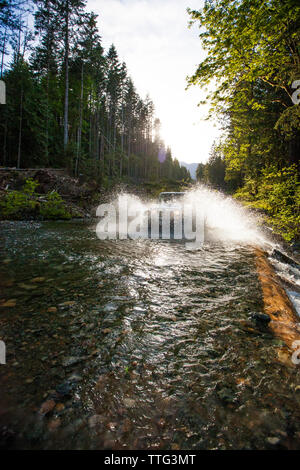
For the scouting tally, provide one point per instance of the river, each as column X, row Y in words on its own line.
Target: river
column 137, row 345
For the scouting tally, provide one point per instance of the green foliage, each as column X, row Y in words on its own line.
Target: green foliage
column 54, row 207
column 30, row 186
column 277, row 193
column 16, row 204
column 200, row 172
column 253, row 57
column 73, row 105
column 153, row 188
column 27, row 203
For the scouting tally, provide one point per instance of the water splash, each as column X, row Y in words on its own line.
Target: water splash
column 226, row 219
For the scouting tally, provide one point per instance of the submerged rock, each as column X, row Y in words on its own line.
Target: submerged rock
column 129, row 402
column 72, row 360
column 273, row 440
column 75, row 378
column 261, row 319
column 9, row 303
column 67, row 304
column 46, row 407
column 226, row 395
column 38, row 279
column 65, row 388
column 26, row 286
column 59, row 407
column 95, row 420
column 106, row 331
column 54, row 424
column 7, row 435
column 110, row 307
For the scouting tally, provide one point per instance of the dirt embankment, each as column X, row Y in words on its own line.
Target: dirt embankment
column 79, row 196
column 284, row 320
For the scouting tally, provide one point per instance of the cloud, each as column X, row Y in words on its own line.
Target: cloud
column 153, row 39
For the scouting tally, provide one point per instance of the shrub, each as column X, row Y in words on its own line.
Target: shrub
column 54, row 207
column 17, row 205
column 277, row 193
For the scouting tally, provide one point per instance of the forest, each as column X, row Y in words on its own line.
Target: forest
column 253, row 59
column 71, row 104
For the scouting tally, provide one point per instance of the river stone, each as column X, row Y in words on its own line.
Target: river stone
column 67, row 304
column 129, row 403
column 54, row 424
column 75, row 378
column 59, row 407
column 46, row 407
column 64, row 388
column 72, row 360
column 26, row 286
column 52, row 309
column 106, row 331
column 120, row 298
column 38, row 279
column 9, row 303
column 226, row 394
column 273, row 440
column 110, row 307
column 261, row 318
column 95, row 420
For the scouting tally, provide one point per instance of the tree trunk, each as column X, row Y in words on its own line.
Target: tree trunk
column 3, row 53
column 80, row 124
column 66, row 110
column 20, row 130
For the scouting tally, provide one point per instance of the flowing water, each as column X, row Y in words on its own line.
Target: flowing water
column 139, row 344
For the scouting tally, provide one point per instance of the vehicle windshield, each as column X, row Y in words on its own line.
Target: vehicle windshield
column 167, row 197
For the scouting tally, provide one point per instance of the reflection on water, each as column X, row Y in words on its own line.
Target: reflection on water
column 137, row 345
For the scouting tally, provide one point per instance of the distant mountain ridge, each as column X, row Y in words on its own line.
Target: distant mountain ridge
column 192, row 167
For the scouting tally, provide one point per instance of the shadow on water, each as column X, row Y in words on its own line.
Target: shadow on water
column 137, row 345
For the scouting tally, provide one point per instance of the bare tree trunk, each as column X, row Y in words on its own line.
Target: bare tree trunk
column 3, row 52
column 128, row 163
column 122, row 125
column 48, row 73
column 90, row 135
column 4, row 143
column 20, row 130
column 80, row 124
column 66, row 110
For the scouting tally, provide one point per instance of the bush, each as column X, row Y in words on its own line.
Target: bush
column 281, row 192
column 277, row 193
column 17, row 205
column 54, row 207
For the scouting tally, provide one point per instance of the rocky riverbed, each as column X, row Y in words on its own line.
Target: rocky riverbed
column 137, row 345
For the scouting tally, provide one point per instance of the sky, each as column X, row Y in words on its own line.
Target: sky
column 153, row 38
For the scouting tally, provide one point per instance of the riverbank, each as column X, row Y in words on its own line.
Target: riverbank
column 277, row 305
column 41, row 194
column 52, row 194
column 278, row 205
